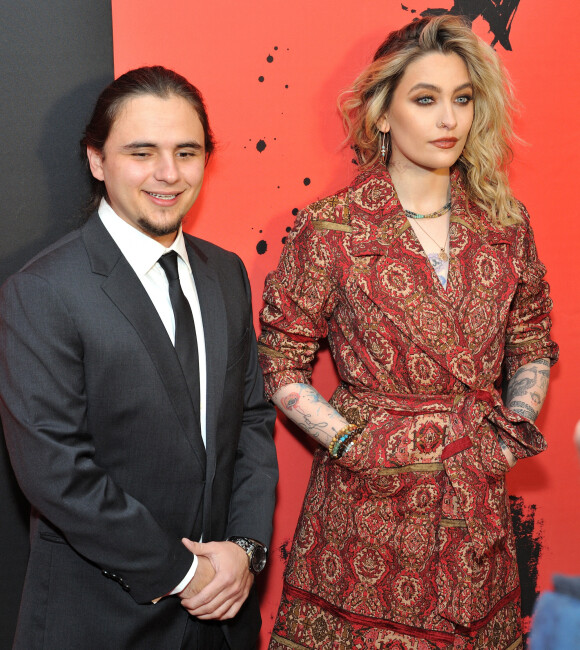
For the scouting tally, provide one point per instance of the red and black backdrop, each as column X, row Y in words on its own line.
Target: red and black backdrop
column 270, row 73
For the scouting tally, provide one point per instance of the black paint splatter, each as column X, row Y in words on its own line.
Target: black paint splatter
column 528, row 533
column 499, row 15
column 288, row 229
column 269, row 58
column 306, row 181
column 260, row 145
column 262, row 246
column 275, row 47
column 261, row 78
column 295, row 211
column 284, row 551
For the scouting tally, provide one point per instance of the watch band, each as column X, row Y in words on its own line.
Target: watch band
column 256, row 551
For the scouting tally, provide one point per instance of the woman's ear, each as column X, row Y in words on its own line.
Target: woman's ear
column 383, row 124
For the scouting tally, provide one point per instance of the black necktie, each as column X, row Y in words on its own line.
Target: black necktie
column 185, row 338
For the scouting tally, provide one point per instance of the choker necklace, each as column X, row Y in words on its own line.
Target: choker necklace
column 432, row 215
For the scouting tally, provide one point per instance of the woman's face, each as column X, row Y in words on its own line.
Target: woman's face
column 430, row 114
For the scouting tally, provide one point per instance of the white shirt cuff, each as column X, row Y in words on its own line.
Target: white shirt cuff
column 187, row 579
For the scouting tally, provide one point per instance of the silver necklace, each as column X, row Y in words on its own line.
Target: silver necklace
column 442, row 254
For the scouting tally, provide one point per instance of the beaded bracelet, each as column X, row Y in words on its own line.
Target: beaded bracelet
column 342, row 440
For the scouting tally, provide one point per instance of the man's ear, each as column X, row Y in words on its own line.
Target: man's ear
column 383, row 124
column 96, row 163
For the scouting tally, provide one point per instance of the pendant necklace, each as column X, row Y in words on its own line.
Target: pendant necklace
column 442, row 254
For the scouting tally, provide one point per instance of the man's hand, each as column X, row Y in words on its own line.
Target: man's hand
column 221, row 583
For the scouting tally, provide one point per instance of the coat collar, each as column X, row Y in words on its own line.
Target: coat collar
column 377, row 217
column 403, row 286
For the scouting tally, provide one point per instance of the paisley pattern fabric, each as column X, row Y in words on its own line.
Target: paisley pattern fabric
column 406, row 542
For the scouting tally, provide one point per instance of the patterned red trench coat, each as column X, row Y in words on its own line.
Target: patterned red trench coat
column 406, row 542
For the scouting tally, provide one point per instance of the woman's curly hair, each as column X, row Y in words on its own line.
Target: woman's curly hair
column 487, row 153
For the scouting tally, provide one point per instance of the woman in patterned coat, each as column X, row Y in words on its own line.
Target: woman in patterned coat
column 424, row 277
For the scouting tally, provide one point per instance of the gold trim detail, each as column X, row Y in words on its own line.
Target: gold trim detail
column 416, row 467
column 318, row 224
column 287, row 643
column 453, row 523
column 263, row 349
column 517, row 644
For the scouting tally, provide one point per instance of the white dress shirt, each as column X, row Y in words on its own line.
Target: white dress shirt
column 142, row 252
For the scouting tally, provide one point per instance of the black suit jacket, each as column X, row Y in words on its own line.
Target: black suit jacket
column 104, row 443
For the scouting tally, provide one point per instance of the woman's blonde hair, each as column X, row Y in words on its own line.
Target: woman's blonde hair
column 487, row 153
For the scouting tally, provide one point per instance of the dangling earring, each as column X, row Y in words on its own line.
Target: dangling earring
column 383, row 146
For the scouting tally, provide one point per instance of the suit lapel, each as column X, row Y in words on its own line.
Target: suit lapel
column 214, row 318
column 125, row 290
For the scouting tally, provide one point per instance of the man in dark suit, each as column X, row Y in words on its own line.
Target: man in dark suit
column 151, row 474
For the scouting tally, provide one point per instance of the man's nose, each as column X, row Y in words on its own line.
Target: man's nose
column 166, row 169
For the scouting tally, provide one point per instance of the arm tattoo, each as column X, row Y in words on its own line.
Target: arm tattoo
column 521, row 408
column 306, row 407
column 527, row 389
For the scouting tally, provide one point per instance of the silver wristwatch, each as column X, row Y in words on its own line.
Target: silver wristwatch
column 256, row 551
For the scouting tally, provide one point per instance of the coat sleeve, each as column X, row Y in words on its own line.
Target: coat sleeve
column 299, row 298
column 43, row 406
column 256, row 466
column 528, row 329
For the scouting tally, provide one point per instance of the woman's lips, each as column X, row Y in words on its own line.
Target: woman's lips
column 444, row 143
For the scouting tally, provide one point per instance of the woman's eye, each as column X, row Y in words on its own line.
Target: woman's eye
column 464, row 99
column 424, row 100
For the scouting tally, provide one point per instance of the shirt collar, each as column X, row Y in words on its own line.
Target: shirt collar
column 140, row 250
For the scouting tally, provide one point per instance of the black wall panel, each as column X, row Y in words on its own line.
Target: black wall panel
column 55, row 57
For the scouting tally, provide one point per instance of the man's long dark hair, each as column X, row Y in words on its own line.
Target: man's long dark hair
column 154, row 80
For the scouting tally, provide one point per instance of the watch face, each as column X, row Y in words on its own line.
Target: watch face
column 259, row 558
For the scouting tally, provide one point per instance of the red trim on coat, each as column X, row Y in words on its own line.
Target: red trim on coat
column 401, row 628
column 455, row 447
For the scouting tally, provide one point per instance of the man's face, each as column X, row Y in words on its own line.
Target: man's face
column 152, row 164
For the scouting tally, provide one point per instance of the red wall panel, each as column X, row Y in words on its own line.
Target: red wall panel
column 271, row 73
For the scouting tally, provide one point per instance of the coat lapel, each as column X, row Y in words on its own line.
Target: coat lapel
column 214, row 320
column 125, row 290
column 395, row 275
